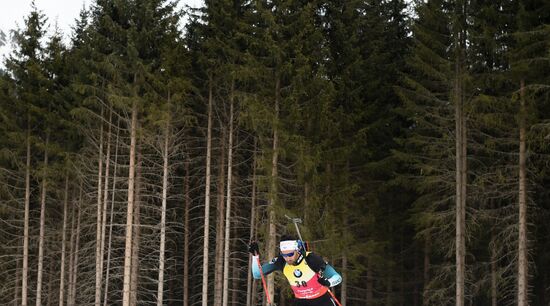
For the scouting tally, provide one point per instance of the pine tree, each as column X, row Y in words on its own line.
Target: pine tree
column 266, row 108
column 25, row 67
column 435, row 70
column 363, row 36
column 490, row 111
column 529, row 65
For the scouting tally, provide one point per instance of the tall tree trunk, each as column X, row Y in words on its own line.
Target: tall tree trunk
column 63, row 243
column 136, row 235
column 207, row 201
column 130, row 211
column 25, row 278
column 522, row 247
column 71, row 250
column 460, row 172
column 464, row 193
column 228, row 203
column 460, row 230
column 255, row 284
column 42, row 225
column 252, row 228
column 235, row 283
column 98, row 255
column 113, row 192
column 271, row 245
column 104, row 207
column 160, row 289
column 51, row 284
column 17, row 291
column 220, row 225
column 186, row 236
column 77, row 247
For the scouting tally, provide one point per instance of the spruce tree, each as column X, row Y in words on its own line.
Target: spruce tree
column 529, row 70
column 428, row 107
column 26, row 68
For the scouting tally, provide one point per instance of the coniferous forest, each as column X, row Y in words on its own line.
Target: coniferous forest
column 140, row 156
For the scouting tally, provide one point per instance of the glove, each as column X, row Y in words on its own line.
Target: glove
column 253, row 248
column 324, row 281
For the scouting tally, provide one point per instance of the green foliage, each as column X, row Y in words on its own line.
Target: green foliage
column 365, row 126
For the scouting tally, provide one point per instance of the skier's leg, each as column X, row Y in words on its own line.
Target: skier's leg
column 299, row 302
column 325, row 300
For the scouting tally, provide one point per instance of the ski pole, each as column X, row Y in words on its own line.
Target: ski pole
column 334, row 297
column 263, row 280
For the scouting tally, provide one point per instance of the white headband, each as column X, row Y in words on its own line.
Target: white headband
column 288, row 245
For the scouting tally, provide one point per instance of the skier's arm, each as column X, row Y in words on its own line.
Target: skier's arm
column 330, row 277
column 267, row 268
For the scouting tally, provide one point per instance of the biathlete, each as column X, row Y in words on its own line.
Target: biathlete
column 309, row 276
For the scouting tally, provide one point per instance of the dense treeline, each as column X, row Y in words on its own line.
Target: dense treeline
column 138, row 159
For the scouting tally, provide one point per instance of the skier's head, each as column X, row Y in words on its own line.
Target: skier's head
column 291, row 248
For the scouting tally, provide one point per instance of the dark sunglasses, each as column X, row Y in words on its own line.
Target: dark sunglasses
column 289, row 254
